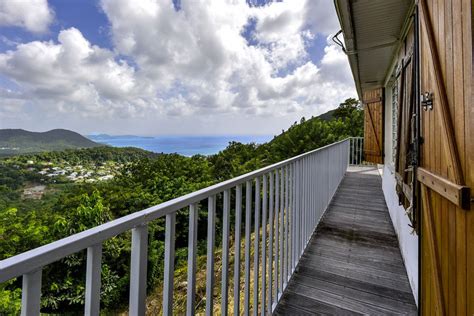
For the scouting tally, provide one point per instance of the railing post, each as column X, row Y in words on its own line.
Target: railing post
column 298, row 212
column 169, row 263
column 264, row 243
column 282, row 232
column 270, row 246
column 286, row 219
column 138, row 271
column 31, row 293
column 256, row 246
column 225, row 253
column 277, row 233
column 305, row 201
column 211, row 219
column 93, row 276
column 293, row 217
column 238, row 223
column 248, row 221
column 192, row 255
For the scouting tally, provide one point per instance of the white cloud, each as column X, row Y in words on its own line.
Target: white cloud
column 71, row 73
column 188, row 63
column 33, row 15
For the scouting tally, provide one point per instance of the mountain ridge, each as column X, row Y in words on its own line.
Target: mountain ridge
column 20, row 141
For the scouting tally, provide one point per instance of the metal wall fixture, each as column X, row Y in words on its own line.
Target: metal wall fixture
column 284, row 201
column 427, row 101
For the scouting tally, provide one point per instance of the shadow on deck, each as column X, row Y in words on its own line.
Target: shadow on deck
column 352, row 264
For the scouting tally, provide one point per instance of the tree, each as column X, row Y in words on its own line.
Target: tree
column 352, row 112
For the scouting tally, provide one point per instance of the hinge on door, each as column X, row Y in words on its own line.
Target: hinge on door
column 427, row 101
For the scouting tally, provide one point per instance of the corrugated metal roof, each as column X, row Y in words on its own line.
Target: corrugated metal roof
column 372, row 33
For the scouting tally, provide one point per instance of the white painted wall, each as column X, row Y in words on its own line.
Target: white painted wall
column 408, row 242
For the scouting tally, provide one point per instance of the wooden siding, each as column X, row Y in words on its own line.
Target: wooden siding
column 352, row 265
column 373, row 125
column 447, row 252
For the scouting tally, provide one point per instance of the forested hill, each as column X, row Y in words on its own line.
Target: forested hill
column 19, row 141
column 307, row 134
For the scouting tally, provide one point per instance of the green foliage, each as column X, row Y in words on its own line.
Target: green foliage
column 21, row 232
column 146, row 179
column 95, row 155
column 10, row 299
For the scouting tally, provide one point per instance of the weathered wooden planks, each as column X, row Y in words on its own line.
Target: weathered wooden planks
column 352, row 265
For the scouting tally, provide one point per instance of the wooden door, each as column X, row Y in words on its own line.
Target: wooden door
column 446, row 171
column 373, row 126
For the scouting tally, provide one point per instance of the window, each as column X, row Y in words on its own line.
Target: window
column 394, row 120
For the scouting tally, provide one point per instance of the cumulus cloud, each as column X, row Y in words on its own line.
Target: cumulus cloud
column 71, row 73
column 33, row 15
column 191, row 61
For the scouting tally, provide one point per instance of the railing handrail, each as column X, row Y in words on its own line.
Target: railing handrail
column 37, row 258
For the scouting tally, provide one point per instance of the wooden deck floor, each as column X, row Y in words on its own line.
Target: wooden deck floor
column 352, row 264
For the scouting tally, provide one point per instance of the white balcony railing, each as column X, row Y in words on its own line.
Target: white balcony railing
column 356, row 150
column 289, row 199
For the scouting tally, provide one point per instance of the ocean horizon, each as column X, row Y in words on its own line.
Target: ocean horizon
column 183, row 145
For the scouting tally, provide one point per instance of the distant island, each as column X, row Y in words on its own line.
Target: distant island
column 20, row 141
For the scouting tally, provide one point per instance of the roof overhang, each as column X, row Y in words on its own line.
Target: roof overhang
column 373, row 32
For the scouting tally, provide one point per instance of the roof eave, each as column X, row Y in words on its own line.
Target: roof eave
column 348, row 33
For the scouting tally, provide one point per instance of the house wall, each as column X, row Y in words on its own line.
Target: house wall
column 408, row 242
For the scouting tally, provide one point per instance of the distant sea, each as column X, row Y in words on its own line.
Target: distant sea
column 183, row 145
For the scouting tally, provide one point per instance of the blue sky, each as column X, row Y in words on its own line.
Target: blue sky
column 168, row 66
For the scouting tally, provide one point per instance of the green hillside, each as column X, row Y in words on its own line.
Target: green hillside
column 19, row 141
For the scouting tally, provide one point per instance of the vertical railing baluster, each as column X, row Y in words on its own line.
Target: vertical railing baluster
column 305, row 186
column 282, row 232
column 256, row 247
column 358, row 149
column 305, row 204
column 302, row 206
column 192, row 255
column 305, row 201
column 286, row 219
column 310, row 195
column 31, row 293
column 93, row 278
column 248, row 222
column 211, row 222
column 238, row 223
column 313, row 193
column 225, row 253
column 270, row 246
column 138, row 270
column 169, row 263
column 298, row 212
column 293, row 216
column 354, row 150
column 264, row 244
column 277, row 234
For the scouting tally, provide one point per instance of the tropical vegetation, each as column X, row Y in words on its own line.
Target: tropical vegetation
column 140, row 180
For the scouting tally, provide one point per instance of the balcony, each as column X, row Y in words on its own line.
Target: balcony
column 352, row 264
column 312, row 234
